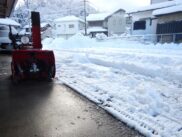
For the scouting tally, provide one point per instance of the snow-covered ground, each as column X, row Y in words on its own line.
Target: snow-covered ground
column 139, row 84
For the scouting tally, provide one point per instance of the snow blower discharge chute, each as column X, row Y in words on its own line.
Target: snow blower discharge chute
column 31, row 62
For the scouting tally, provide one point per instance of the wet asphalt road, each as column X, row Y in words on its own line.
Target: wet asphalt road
column 47, row 109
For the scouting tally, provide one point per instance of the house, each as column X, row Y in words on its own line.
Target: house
column 107, row 23
column 68, row 26
column 97, row 24
column 169, row 27
column 116, row 22
column 143, row 20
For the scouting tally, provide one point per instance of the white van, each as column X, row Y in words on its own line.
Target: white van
column 5, row 42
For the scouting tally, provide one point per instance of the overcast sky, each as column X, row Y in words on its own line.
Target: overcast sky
column 109, row 5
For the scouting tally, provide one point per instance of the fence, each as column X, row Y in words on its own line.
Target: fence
column 153, row 38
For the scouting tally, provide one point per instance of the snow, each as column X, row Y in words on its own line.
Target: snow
column 68, row 18
column 44, row 24
column 155, row 6
column 96, row 29
column 139, row 84
column 27, row 26
column 7, row 21
column 98, row 16
column 168, row 10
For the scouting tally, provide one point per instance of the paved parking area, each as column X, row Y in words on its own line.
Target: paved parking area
column 47, row 109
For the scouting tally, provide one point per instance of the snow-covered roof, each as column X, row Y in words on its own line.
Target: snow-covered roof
column 98, row 16
column 44, row 24
column 68, row 18
column 155, row 6
column 173, row 9
column 96, row 29
column 7, row 21
column 27, row 26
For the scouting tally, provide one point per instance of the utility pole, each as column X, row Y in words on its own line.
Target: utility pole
column 85, row 17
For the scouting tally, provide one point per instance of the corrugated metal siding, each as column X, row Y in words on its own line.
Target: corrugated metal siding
column 170, row 27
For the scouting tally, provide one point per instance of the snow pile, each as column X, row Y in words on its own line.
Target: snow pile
column 50, row 43
column 76, row 41
column 101, row 36
column 139, row 84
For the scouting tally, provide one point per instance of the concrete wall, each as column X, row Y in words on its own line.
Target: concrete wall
column 116, row 23
column 158, row 1
column 169, row 18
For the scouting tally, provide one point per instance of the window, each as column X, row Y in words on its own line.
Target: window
column 140, row 25
column 71, row 25
column 27, row 29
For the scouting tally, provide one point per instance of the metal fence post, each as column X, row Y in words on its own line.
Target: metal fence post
column 161, row 38
column 174, row 38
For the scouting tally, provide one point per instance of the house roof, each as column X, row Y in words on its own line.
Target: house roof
column 168, row 10
column 7, row 21
column 102, row 16
column 116, row 12
column 68, row 18
column 98, row 16
column 6, row 7
column 154, row 6
column 44, row 24
column 27, row 26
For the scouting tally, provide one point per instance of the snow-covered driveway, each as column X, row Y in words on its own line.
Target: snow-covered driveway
column 140, row 86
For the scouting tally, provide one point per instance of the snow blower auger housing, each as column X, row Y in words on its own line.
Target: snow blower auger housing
column 32, row 62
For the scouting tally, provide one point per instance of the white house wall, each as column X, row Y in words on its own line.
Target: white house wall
column 150, row 28
column 63, row 28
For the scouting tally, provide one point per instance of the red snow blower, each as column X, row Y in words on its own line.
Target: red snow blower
column 30, row 61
